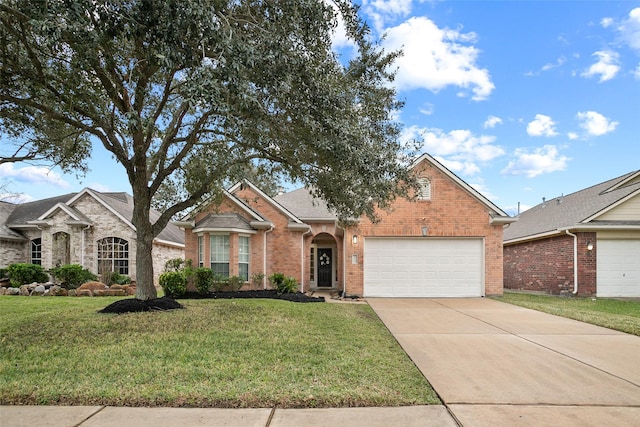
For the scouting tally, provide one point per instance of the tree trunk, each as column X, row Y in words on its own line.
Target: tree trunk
column 145, row 288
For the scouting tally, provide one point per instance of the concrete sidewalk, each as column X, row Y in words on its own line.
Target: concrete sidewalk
column 497, row 364
column 100, row 416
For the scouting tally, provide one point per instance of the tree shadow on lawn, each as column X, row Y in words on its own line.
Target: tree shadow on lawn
column 133, row 305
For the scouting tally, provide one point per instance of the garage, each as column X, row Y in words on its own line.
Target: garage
column 423, row 267
column 618, row 264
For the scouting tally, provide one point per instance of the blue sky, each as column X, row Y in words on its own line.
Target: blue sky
column 522, row 100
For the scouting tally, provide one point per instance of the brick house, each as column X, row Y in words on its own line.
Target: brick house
column 88, row 228
column 448, row 242
column 585, row 243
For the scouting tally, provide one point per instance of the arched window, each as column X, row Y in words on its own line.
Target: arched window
column 113, row 255
column 36, row 251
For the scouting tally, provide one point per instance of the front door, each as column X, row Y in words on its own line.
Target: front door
column 325, row 267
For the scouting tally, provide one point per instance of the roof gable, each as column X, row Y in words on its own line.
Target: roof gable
column 469, row 189
column 279, row 207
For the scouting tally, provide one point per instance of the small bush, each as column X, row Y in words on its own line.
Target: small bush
column 71, row 276
column 203, row 279
column 276, row 279
column 219, row 282
column 287, row 286
column 256, row 279
column 173, row 283
column 22, row 274
column 116, row 278
column 235, row 283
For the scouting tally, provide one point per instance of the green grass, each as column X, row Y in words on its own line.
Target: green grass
column 216, row 353
column 621, row 315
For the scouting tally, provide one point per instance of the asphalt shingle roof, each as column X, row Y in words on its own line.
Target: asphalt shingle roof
column 570, row 210
column 304, row 206
column 122, row 203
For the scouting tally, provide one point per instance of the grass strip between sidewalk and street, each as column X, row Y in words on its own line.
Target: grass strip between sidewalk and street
column 214, row 353
column 621, row 315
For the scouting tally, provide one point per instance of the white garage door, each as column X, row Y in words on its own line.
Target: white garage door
column 423, row 267
column 618, row 265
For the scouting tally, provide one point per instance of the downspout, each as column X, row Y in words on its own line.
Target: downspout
column 575, row 261
column 302, row 258
column 264, row 256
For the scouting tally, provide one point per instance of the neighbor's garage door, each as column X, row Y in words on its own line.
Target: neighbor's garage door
column 423, row 267
column 618, row 268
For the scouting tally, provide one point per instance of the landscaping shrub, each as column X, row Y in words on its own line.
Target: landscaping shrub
column 203, row 279
column 22, row 274
column 219, row 282
column 276, row 280
column 71, row 276
column 118, row 279
column 235, row 283
column 256, row 279
column 173, row 283
column 4, row 273
column 287, row 286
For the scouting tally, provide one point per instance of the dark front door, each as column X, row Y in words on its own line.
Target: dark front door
column 325, row 267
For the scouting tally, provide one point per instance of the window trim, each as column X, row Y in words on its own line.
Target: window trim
column 37, row 242
column 247, row 255
column 118, row 264
column 212, row 253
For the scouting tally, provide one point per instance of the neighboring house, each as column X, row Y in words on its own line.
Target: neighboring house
column 446, row 243
column 586, row 243
column 89, row 228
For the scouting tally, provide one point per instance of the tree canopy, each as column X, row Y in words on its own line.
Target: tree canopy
column 190, row 94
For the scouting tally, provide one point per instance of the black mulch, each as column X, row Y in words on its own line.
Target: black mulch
column 132, row 305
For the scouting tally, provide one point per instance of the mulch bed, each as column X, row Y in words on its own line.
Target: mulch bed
column 132, row 305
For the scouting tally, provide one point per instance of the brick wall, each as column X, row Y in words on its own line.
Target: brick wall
column 451, row 212
column 546, row 265
column 12, row 252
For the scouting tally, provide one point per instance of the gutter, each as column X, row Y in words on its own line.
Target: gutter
column 575, row 261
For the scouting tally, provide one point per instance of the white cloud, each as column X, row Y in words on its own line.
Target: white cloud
column 629, row 29
column 636, row 72
column 32, row 175
column 595, row 123
column 427, row 109
column 491, row 122
column 541, row 126
column 572, row 135
column 459, row 150
column 339, row 37
column 607, row 66
column 16, row 198
column 541, row 160
column 435, row 58
column 380, row 11
column 606, row 22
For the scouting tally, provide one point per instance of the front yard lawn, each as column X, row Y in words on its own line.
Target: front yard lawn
column 621, row 315
column 215, row 353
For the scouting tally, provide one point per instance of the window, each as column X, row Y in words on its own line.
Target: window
column 243, row 257
column 113, row 255
column 425, row 189
column 36, row 251
column 220, row 254
column 200, row 251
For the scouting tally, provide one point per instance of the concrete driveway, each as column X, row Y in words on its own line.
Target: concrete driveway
column 497, row 364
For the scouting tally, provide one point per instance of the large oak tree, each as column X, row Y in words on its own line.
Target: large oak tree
column 188, row 94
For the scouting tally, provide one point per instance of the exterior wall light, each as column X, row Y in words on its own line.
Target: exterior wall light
column 354, row 239
column 589, row 246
